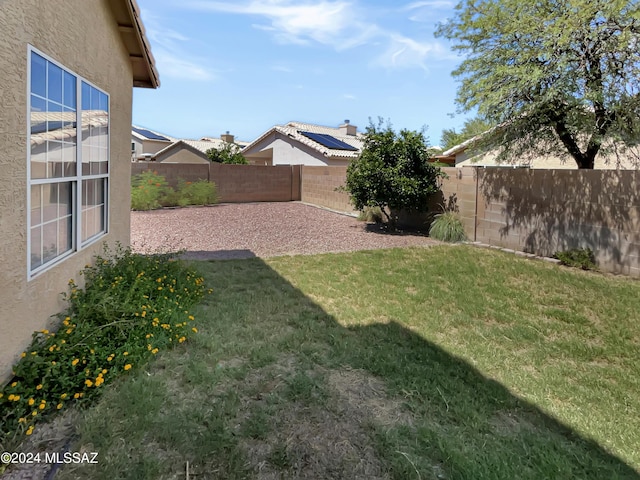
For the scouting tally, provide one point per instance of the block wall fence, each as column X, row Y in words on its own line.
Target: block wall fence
column 530, row 210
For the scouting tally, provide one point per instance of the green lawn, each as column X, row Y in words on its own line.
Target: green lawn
column 439, row 363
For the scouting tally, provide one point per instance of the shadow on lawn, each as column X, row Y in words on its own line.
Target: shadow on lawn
column 467, row 426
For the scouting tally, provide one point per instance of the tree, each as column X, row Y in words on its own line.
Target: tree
column 557, row 76
column 392, row 172
column 230, row 153
column 471, row 128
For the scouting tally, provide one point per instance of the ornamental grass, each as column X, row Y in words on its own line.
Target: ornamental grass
column 131, row 307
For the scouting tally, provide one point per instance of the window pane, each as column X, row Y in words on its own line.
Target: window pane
column 38, row 160
column 38, row 116
column 86, row 96
column 49, row 241
column 69, row 90
column 38, row 75
column 93, row 208
column 36, row 205
column 49, row 202
column 69, row 159
column 65, row 240
column 54, row 82
column 64, row 199
column 54, row 159
column 36, row 247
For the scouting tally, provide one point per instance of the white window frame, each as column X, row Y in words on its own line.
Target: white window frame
column 77, row 244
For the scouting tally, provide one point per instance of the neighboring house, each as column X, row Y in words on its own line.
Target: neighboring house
column 173, row 150
column 183, row 151
column 145, row 142
column 67, row 74
column 464, row 155
column 305, row 144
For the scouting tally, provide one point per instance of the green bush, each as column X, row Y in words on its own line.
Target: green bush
column 578, row 257
column 132, row 307
column 370, row 214
column 447, row 227
column 147, row 190
column 150, row 191
column 201, row 192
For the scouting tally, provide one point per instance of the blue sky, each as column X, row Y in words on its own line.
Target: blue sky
column 246, row 65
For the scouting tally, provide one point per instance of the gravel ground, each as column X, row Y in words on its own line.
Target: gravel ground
column 246, row 230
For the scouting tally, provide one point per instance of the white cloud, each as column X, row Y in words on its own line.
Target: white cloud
column 294, row 22
column 338, row 24
column 170, row 56
column 404, row 52
column 348, row 96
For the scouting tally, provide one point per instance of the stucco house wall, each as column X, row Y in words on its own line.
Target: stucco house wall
column 83, row 36
column 182, row 155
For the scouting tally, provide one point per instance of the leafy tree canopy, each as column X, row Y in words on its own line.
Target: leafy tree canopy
column 471, row 128
column 392, row 172
column 558, row 76
column 230, row 153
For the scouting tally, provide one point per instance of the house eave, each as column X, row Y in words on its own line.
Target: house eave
column 127, row 16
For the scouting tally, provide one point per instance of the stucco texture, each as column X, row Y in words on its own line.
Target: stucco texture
column 83, row 36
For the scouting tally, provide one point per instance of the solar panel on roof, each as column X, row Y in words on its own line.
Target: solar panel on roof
column 328, row 141
column 148, row 134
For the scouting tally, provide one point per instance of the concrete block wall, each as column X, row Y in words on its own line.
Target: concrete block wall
column 256, row 183
column 191, row 172
column 318, row 187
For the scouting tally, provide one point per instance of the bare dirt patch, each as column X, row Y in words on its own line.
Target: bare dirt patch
column 328, row 440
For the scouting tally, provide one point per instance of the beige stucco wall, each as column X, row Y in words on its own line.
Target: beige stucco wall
column 153, row 146
column 83, row 36
column 181, row 155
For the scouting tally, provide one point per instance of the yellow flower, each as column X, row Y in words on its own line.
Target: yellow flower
column 88, row 383
column 14, row 384
column 76, row 395
column 154, row 351
column 23, row 354
column 10, row 397
column 39, row 387
column 29, row 430
column 195, row 330
column 34, row 413
column 22, row 420
column 127, row 366
column 59, row 406
column 125, row 353
column 16, row 398
column 182, row 339
column 63, row 396
column 191, row 317
column 69, row 330
column 75, row 361
column 31, row 401
column 53, row 363
column 42, row 405
column 99, row 381
column 1, row 394
column 104, row 370
column 45, row 331
column 143, row 314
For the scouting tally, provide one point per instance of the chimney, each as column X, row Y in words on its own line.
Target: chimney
column 227, row 137
column 348, row 129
